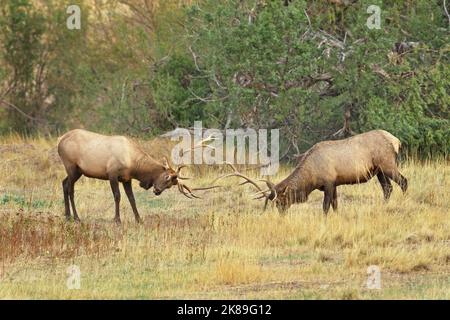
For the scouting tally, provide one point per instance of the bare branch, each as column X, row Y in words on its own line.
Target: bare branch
column 195, row 58
column 10, row 105
column 446, row 12
column 307, row 17
column 196, row 97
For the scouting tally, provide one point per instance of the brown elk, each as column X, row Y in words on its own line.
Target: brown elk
column 117, row 159
column 329, row 164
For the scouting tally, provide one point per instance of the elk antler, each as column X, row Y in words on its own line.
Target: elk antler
column 201, row 144
column 166, row 163
column 182, row 187
column 273, row 194
column 236, row 173
column 189, row 194
column 178, row 172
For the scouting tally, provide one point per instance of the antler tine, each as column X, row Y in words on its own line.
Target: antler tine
column 207, row 139
column 269, row 183
column 265, row 203
column 273, row 192
column 223, row 176
column 180, row 188
column 189, row 193
column 260, row 197
column 167, row 163
column 201, row 144
column 206, row 188
column 232, row 166
column 183, row 186
column 263, row 192
column 240, row 175
column 236, row 173
column 178, row 172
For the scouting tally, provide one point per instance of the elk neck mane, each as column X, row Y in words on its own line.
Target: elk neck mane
column 299, row 174
column 144, row 162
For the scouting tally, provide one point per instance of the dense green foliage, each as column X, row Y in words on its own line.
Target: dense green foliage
column 232, row 63
column 39, row 69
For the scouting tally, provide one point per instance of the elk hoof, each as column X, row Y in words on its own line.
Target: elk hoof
column 139, row 221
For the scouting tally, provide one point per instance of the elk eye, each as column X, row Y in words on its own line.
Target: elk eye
column 168, row 178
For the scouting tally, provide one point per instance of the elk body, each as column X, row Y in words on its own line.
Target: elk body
column 329, row 164
column 117, row 159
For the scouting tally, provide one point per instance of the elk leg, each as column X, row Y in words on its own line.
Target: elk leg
column 71, row 190
column 129, row 191
column 398, row 179
column 401, row 181
column 328, row 196
column 385, row 185
column 334, row 202
column 114, row 182
column 65, row 185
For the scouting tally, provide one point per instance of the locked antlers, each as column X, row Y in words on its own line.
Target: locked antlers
column 184, row 189
column 269, row 194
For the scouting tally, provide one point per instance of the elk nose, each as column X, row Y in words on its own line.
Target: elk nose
column 157, row 192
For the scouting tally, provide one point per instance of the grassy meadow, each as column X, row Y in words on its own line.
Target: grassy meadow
column 221, row 246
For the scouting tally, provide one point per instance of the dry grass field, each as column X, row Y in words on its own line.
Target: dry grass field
column 221, row 246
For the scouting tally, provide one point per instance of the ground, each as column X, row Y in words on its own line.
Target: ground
column 222, row 246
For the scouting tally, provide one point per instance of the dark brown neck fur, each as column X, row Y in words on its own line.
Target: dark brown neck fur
column 147, row 170
column 297, row 183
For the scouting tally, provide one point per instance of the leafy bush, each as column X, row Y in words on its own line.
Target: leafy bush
column 232, row 63
column 299, row 67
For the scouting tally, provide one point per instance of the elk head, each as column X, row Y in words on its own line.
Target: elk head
column 166, row 179
column 285, row 197
column 170, row 177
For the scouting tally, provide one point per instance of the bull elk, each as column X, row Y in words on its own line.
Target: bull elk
column 117, row 159
column 329, row 164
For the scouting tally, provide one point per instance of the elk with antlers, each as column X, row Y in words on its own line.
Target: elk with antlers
column 329, row 164
column 117, row 159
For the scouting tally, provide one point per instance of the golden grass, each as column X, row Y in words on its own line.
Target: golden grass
column 222, row 246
